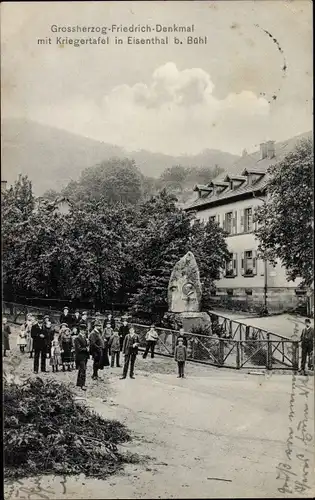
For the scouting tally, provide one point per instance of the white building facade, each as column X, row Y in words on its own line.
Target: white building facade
column 248, row 281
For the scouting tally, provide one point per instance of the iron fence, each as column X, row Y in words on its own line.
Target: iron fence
column 231, row 344
column 228, row 352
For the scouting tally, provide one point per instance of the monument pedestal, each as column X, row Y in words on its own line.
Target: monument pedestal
column 188, row 320
column 192, row 320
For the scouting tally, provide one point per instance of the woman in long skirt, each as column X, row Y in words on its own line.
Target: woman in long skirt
column 66, row 349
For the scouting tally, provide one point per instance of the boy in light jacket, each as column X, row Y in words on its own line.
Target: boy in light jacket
column 151, row 340
column 180, row 356
column 114, row 344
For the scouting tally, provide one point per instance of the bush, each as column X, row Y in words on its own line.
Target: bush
column 47, row 431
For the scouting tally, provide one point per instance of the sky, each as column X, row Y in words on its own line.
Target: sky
column 251, row 82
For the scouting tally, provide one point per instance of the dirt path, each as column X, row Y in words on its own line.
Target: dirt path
column 214, row 434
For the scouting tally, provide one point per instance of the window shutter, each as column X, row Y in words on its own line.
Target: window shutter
column 250, row 219
column 235, row 222
column 254, row 262
column 235, row 264
column 242, row 264
column 242, row 221
column 218, row 216
column 256, row 222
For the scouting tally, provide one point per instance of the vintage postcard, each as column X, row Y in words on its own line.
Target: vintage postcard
column 157, row 237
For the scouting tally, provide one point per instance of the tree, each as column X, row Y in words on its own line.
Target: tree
column 285, row 221
column 51, row 195
column 163, row 234
column 17, row 204
column 115, row 181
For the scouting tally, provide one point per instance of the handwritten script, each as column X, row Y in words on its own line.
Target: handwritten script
column 294, row 472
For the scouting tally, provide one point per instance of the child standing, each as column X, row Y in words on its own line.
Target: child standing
column 180, row 357
column 67, row 349
column 22, row 340
column 114, row 344
column 55, row 353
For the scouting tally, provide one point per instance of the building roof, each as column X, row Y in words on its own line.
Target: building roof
column 248, row 164
column 202, row 187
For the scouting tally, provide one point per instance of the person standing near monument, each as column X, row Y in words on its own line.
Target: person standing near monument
column 40, row 342
column 65, row 317
column 22, row 340
column 81, row 355
column 96, row 348
column 307, row 344
column 130, row 351
column 109, row 320
column 107, row 334
column 28, row 328
column 76, row 320
column 49, row 333
column 114, row 344
column 182, row 337
column 180, row 356
column 151, row 340
column 6, row 331
column 123, row 331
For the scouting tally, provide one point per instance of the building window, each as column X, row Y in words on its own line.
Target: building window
column 248, row 291
column 249, row 263
column 231, row 266
column 212, row 218
column 229, row 292
column 228, row 222
column 248, row 220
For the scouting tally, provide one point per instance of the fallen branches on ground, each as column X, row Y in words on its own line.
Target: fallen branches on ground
column 47, row 431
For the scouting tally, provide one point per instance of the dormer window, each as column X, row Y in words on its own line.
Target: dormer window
column 253, row 176
column 203, row 191
column 235, row 181
column 220, row 186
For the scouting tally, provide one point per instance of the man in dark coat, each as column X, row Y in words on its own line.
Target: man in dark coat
column 123, row 331
column 81, row 355
column 130, row 351
column 111, row 321
column 40, row 342
column 307, row 345
column 84, row 319
column 76, row 320
column 49, row 333
column 65, row 317
column 96, row 348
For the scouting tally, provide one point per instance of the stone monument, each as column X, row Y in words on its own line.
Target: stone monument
column 184, row 294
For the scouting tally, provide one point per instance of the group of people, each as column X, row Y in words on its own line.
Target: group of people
column 76, row 341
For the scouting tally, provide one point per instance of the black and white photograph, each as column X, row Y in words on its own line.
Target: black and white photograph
column 157, row 230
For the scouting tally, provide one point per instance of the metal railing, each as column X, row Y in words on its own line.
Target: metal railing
column 217, row 351
column 231, row 344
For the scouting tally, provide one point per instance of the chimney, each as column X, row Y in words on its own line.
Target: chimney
column 271, row 153
column 263, row 150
